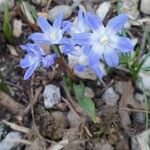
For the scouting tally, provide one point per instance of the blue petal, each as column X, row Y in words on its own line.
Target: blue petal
column 40, row 38
column 92, row 21
column 124, row 44
column 117, row 23
column 68, row 46
column 93, row 58
column 48, row 60
column 111, row 57
column 66, row 26
column 86, row 50
column 57, row 22
column 30, row 71
column 79, row 68
column 97, row 71
column 81, row 39
column 33, row 48
column 80, row 18
column 43, row 24
column 24, row 63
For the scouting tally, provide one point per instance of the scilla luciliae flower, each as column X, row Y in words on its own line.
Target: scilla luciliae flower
column 104, row 41
column 52, row 34
column 34, row 58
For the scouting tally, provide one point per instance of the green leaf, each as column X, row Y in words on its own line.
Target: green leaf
column 29, row 11
column 7, row 31
column 85, row 102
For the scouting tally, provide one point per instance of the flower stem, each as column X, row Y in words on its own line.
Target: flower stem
column 62, row 62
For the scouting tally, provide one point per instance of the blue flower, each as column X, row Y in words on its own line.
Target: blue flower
column 104, row 41
column 80, row 24
column 34, row 58
column 51, row 34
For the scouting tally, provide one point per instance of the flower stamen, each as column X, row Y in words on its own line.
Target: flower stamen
column 104, row 40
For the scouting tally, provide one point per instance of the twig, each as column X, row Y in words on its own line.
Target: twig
column 33, row 101
column 10, row 104
column 22, row 141
column 135, row 110
column 17, row 127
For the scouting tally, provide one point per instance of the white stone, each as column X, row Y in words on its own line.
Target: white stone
column 2, row 4
column 55, row 11
column 17, row 28
column 145, row 7
column 144, row 75
column 88, row 92
column 130, row 7
column 51, row 95
column 141, row 141
column 73, row 119
column 40, row 2
column 110, row 97
column 103, row 9
column 9, row 142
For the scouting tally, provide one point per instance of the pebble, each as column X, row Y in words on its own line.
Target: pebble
column 144, row 75
column 144, row 7
column 59, row 120
column 73, row 119
column 103, row 9
column 17, row 28
column 40, row 2
column 110, row 97
column 130, row 7
column 10, row 4
column 139, row 97
column 139, row 117
column 51, row 95
column 119, row 87
column 88, row 92
column 141, row 140
column 6, row 144
column 55, row 11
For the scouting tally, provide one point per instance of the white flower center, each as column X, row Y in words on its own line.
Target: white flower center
column 53, row 35
column 104, row 40
column 83, row 60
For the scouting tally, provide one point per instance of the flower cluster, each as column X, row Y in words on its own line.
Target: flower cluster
column 86, row 38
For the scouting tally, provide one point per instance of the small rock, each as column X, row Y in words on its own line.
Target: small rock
column 138, row 117
column 103, row 9
column 110, row 97
column 59, row 120
column 144, row 75
column 141, row 141
column 73, row 119
column 119, row 87
column 88, row 92
column 59, row 125
column 51, row 95
column 144, row 7
column 55, row 11
column 40, row 2
column 6, row 144
column 130, row 7
column 17, row 28
column 10, row 4
column 12, row 50
column 139, row 97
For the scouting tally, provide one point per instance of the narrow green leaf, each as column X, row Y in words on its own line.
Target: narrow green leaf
column 29, row 11
column 85, row 102
column 7, row 31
